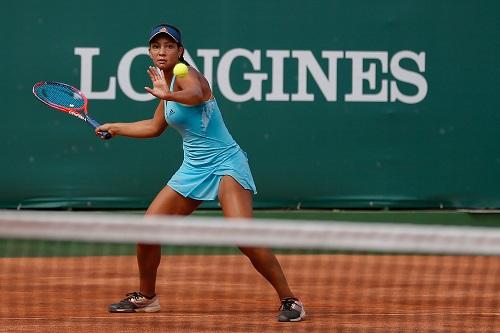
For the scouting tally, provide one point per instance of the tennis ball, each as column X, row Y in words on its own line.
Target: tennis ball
column 180, row 70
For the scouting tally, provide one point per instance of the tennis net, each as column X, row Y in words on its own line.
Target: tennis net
column 59, row 271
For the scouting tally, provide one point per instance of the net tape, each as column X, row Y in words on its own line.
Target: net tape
column 214, row 231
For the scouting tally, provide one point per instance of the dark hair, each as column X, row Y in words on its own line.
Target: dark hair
column 179, row 44
column 181, row 58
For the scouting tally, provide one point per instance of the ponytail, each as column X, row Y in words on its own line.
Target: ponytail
column 181, row 58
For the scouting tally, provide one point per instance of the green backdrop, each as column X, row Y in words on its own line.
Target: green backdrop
column 348, row 104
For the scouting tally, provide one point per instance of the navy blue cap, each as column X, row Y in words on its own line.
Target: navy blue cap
column 166, row 29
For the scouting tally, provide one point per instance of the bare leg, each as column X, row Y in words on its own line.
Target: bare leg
column 237, row 203
column 167, row 202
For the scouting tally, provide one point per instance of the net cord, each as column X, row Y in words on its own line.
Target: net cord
column 213, row 231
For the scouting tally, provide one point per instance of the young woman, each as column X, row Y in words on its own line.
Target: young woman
column 214, row 167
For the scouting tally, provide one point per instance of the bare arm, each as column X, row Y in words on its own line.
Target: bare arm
column 141, row 129
column 191, row 92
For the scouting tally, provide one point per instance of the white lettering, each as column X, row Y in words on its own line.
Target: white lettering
column 224, row 70
column 277, row 93
column 208, row 63
column 407, row 76
column 86, row 54
column 359, row 76
column 124, row 75
column 327, row 85
column 374, row 75
column 76, row 114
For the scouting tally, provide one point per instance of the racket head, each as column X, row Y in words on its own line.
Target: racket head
column 60, row 96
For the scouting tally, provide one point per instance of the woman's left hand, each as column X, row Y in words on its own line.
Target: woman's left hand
column 160, row 88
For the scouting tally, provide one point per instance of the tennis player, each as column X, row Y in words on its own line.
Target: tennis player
column 214, row 167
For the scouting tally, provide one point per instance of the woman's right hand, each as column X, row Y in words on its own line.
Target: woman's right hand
column 110, row 128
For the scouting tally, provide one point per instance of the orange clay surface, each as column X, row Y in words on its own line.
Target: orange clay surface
column 223, row 293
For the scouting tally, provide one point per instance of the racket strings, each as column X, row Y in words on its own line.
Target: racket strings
column 61, row 95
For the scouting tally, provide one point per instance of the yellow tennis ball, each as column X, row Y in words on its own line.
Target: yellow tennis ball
column 180, row 70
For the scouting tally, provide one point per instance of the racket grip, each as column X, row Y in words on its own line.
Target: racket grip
column 105, row 135
column 102, row 134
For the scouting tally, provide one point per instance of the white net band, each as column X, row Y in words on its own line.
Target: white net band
column 300, row 234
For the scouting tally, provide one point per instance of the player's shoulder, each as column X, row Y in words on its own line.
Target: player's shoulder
column 193, row 72
column 194, row 76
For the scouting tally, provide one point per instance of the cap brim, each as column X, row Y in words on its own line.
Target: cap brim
column 163, row 32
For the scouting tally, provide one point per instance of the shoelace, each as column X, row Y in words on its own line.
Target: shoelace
column 135, row 295
column 287, row 303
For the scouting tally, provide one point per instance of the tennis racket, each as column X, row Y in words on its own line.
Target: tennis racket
column 63, row 97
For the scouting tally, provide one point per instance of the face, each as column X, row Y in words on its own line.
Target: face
column 164, row 52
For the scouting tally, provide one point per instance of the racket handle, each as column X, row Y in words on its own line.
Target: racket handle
column 103, row 134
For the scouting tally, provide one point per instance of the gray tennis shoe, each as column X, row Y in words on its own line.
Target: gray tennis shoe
column 136, row 302
column 291, row 309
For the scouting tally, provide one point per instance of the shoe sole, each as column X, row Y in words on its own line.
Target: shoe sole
column 147, row 309
column 299, row 318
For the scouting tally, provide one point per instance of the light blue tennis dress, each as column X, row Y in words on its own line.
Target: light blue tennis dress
column 210, row 151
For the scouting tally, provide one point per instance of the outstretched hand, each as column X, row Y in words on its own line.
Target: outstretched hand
column 160, row 88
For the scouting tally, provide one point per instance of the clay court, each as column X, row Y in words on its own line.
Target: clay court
column 222, row 293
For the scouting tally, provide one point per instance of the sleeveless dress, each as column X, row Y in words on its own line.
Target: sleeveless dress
column 210, row 151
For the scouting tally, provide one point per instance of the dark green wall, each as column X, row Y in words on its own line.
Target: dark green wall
column 439, row 150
